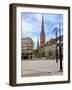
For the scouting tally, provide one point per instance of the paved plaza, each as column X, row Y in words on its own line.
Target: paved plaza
column 40, row 68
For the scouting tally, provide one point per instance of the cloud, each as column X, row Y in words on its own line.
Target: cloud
column 31, row 17
column 30, row 26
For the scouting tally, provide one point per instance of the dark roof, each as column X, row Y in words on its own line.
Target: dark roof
column 53, row 40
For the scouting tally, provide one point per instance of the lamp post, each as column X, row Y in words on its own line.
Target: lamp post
column 58, row 43
column 60, row 48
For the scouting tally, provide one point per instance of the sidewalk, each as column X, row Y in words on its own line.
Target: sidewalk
column 40, row 68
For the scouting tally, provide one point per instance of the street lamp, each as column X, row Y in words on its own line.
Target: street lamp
column 58, row 43
column 60, row 54
column 60, row 48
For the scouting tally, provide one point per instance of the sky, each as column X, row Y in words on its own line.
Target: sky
column 31, row 25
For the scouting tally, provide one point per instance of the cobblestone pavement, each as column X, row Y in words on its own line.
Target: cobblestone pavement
column 39, row 68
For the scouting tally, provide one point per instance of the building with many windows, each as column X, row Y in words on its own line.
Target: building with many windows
column 27, row 46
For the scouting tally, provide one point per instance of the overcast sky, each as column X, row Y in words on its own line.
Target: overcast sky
column 31, row 25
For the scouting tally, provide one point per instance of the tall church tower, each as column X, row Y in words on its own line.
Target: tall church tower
column 42, row 34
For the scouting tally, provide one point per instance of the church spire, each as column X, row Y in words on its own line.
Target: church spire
column 42, row 34
column 37, row 43
column 42, row 27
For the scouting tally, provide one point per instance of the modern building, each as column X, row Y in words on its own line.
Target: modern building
column 27, row 46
